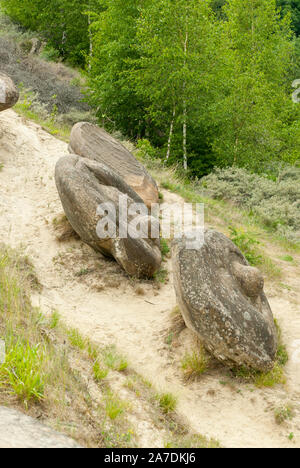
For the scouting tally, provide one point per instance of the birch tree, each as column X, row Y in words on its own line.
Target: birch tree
column 174, row 38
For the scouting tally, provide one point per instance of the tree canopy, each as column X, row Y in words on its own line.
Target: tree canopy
column 206, row 82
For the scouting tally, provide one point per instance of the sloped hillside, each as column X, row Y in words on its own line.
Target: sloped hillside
column 94, row 296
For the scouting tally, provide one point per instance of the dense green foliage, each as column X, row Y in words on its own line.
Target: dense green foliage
column 207, row 82
column 293, row 8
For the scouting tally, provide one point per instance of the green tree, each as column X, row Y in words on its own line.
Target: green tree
column 253, row 108
column 114, row 44
column 291, row 7
column 176, row 51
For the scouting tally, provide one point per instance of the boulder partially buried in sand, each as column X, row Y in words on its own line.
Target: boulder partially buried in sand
column 84, row 186
column 222, row 299
column 9, row 94
column 94, row 143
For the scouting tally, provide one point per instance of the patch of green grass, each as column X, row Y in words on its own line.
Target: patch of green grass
column 114, row 407
column 76, row 339
column 161, row 275
column 92, row 351
column 262, row 379
column 270, row 379
column 291, row 436
column 287, row 258
column 54, row 319
column 248, row 245
column 164, row 247
column 282, row 355
column 113, row 360
column 164, row 417
column 22, row 371
column 284, row 413
column 195, row 364
column 167, row 402
column 100, row 373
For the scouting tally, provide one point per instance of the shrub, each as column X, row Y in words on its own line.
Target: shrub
column 275, row 202
column 247, row 244
column 50, row 54
column 283, row 413
column 167, row 402
column 195, row 364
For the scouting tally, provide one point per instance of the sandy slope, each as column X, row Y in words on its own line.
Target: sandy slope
column 237, row 416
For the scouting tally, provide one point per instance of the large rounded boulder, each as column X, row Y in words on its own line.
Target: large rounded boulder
column 94, row 143
column 9, row 94
column 90, row 194
column 222, row 299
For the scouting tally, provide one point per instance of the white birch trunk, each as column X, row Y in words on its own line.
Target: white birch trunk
column 171, row 135
column 185, row 163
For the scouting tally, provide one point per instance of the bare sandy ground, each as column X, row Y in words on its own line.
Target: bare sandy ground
column 105, row 306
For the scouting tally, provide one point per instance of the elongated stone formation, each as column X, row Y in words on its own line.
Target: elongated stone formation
column 83, row 186
column 221, row 298
column 94, row 143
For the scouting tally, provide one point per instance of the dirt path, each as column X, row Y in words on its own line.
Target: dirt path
column 114, row 313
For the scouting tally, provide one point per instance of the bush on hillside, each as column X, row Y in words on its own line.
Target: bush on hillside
column 276, row 202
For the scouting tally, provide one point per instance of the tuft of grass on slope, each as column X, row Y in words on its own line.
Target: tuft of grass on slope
column 76, row 339
column 195, row 364
column 22, row 372
column 167, row 402
column 100, row 373
column 113, row 359
column 114, row 406
column 283, row 413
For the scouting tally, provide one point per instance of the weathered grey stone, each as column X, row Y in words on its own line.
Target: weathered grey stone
column 92, row 142
column 9, row 94
column 83, row 185
column 20, row 431
column 222, row 299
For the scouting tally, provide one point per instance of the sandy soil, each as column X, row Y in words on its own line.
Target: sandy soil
column 95, row 296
